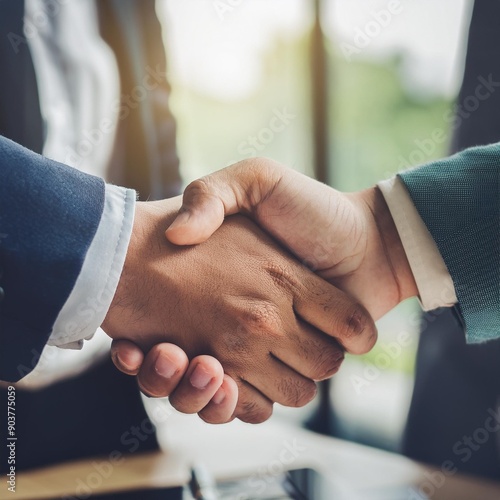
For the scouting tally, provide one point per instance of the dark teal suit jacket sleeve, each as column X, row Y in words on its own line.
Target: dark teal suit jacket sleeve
column 458, row 199
column 49, row 214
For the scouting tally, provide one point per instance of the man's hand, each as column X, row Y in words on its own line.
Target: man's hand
column 274, row 325
column 348, row 239
column 166, row 371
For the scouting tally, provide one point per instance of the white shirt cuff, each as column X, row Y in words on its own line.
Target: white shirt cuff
column 89, row 301
column 433, row 280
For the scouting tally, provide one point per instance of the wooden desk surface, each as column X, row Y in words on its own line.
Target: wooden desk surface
column 238, row 449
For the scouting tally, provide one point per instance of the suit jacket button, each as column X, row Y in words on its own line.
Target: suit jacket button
column 2, row 294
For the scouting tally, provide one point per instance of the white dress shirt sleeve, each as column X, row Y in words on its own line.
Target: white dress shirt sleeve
column 433, row 280
column 89, row 301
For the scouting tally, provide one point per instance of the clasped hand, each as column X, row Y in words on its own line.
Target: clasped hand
column 257, row 325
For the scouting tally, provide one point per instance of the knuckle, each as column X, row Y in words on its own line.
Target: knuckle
column 261, row 316
column 356, row 322
column 329, row 362
column 322, row 356
column 282, row 275
column 310, row 349
column 296, row 392
column 252, row 412
column 199, row 186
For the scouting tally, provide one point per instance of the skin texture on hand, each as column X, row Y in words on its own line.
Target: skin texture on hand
column 273, row 324
column 348, row 239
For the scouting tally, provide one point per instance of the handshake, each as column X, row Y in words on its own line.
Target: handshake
column 228, row 313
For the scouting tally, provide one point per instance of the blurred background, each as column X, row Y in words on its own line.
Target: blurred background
column 392, row 81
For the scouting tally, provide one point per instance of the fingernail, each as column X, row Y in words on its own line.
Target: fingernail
column 219, row 396
column 164, row 367
column 200, row 378
column 116, row 357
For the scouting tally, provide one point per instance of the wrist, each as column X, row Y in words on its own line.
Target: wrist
column 128, row 284
column 391, row 247
column 125, row 318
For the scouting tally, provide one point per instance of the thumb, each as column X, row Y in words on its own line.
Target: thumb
column 204, row 204
column 206, row 201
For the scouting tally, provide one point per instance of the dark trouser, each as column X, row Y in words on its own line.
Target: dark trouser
column 456, row 391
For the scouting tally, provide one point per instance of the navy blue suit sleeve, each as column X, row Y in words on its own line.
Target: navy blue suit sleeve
column 458, row 199
column 49, row 214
